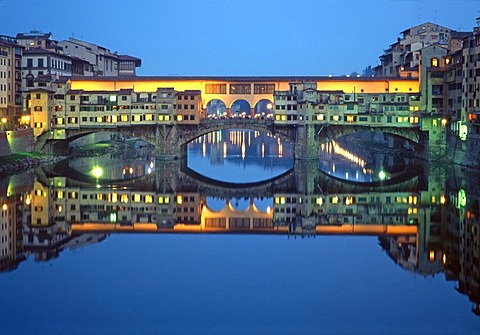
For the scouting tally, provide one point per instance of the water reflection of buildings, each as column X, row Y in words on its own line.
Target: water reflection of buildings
column 241, row 145
column 421, row 229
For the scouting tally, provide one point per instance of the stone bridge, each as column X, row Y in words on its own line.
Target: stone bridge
column 304, row 178
column 170, row 140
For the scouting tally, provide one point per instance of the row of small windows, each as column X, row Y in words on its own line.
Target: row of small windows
column 115, row 118
column 114, row 197
column 351, row 118
column 240, row 88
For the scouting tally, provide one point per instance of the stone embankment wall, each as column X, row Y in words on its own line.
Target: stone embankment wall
column 4, row 146
column 16, row 141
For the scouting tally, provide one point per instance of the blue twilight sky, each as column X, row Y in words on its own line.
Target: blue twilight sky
column 231, row 37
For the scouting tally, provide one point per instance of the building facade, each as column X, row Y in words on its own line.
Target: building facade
column 10, row 82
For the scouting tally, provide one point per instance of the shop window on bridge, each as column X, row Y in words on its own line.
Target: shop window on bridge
column 320, row 117
column 124, row 118
column 59, row 120
column 148, row 117
column 38, row 108
column 240, row 89
column 263, row 88
column 216, row 88
column 349, row 118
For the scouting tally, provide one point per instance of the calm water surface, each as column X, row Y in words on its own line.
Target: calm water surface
column 144, row 247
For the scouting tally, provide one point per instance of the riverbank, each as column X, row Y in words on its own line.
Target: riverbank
column 18, row 162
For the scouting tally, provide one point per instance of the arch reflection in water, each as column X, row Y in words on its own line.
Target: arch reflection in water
column 363, row 167
column 239, row 156
column 421, row 226
column 115, row 166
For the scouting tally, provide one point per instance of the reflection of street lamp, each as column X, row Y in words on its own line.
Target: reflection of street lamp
column 4, row 123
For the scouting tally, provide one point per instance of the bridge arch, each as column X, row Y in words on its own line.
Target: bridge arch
column 215, row 109
column 240, row 108
column 328, row 132
column 263, row 108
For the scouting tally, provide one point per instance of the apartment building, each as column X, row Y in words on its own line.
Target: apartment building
column 102, row 61
column 303, row 103
column 402, row 58
column 10, row 81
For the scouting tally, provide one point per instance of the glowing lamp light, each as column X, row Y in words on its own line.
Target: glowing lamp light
column 462, row 198
column 382, row 175
column 97, row 172
column 269, row 106
column 4, row 207
column 269, row 210
column 4, row 120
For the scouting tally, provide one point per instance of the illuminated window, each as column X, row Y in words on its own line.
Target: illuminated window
column 124, row 198
column 136, row 198
column 148, row 199
column 277, row 117
column 60, row 195
column 434, row 62
column 39, row 193
column 113, row 197
column 148, row 117
column 137, row 118
column 114, row 118
column 336, row 118
column 319, row 201
column 431, row 256
column 72, row 120
column 124, row 118
column 320, row 117
column 99, row 119
column 179, row 117
column 38, row 125
column 284, row 117
column 38, row 108
column 434, row 123
column 335, row 200
column 100, row 196
column 167, row 117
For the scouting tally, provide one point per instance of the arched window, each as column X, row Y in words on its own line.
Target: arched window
column 29, row 80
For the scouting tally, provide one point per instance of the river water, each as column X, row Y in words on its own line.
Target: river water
column 241, row 238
